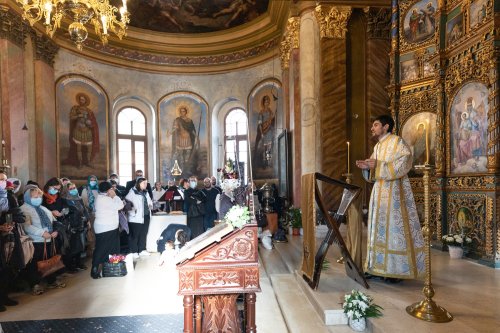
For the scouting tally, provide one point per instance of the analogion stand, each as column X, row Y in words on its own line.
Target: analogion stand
column 214, row 268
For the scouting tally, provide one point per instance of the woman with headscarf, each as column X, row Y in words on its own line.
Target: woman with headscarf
column 39, row 226
column 107, row 205
column 10, row 216
column 139, row 217
column 78, row 221
column 88, row 193
column 53, row 201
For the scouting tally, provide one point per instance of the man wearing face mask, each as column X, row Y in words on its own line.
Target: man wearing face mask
column 131, row 184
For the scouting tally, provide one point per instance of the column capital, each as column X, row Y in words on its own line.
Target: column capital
column 290, row 40
column 12, row 26
column 333, row 20
column 44, row 47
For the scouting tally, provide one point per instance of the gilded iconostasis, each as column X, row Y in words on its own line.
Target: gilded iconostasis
column 442, row 61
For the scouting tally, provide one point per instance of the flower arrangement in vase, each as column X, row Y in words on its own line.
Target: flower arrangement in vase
column 357, row 306
column 456, row 244
column 237, row 216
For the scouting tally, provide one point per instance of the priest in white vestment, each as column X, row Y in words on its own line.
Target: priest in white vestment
column 395, row 241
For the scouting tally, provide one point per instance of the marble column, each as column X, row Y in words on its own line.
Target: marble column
column 45, row 107
column 309, row 93
column 12, row 91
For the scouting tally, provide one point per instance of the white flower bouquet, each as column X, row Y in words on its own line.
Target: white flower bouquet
column 460, row 240
column 358, row 305
column 237, row 216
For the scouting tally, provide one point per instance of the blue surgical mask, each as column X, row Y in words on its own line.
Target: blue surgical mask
column 53, row 191
column 36, row 202
column 192, row 184
column 73, row 192
column 3, row 184
column 93, row 183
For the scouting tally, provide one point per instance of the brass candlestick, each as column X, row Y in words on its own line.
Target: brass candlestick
column 427, row 309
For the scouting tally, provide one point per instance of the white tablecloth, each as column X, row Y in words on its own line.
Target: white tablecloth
column 159, row 223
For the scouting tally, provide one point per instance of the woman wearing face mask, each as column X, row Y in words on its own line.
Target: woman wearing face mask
column 39, row 227
column 194, row 203
column 51, row 198
column 107, row 235
column 88, row 193
column 139, row 217
column 10, row 217
column 78, row 221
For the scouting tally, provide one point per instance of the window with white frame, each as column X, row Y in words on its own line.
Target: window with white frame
column 131, row 143
column 236, row 140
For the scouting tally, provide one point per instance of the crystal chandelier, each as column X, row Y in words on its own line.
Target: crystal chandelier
column 100, row 13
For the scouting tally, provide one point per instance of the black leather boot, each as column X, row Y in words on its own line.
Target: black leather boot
column 95, row 273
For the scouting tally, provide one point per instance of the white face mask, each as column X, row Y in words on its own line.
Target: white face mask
column 3, row 184
column 192, row 184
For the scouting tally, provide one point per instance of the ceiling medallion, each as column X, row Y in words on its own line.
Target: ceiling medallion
column 99, row 13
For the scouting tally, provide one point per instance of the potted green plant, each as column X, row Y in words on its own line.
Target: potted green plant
column 295, row 218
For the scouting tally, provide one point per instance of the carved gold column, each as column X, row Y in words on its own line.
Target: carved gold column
column 394, row 87
column 332, row 22
column 494, row 114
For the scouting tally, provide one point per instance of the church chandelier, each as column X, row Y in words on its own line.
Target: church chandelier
column 103, row 16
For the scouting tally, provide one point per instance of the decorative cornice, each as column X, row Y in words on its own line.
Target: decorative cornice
column 332, row 20
column 44, row 47
column 12, row 26
column 379, row 23
column 158, row 59
column 290, row 40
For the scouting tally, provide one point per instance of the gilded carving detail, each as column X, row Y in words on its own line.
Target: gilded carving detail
column 219, row 279
column 469, row 65
column 290, row 40
column 421, row 99
column 332, row 20
column 488, row 248
column 476, row 226
column 379, row 23
column 470, row 183
column 497, row 256
column 186, row 281
column 12, row 26
column 161, row 59
column 434, row 210
column 238, row 250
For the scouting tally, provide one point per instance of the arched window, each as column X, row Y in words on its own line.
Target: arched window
column 236, row 140
column 131, row 143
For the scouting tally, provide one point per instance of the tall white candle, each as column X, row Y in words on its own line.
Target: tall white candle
column 348, row 157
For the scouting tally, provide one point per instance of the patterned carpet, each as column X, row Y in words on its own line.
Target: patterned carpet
column 171, row 323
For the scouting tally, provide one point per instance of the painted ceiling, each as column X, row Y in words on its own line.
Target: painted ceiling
column 193, row 16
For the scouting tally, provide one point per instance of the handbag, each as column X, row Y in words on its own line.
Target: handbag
column 122, row 218
column 50, row 265
column 9, row 244
column 114, row 269
column 26, row 245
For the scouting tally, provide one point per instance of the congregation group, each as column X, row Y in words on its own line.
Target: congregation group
column 95, row 220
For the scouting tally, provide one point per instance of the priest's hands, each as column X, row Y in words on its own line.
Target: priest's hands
column 369, row 163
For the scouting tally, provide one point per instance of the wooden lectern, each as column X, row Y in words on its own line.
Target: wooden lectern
column 214, row 268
